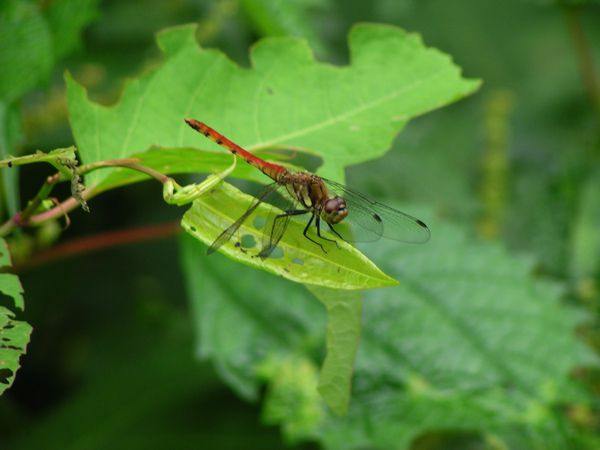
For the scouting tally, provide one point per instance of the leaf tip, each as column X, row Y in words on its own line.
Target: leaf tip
column 335, row 403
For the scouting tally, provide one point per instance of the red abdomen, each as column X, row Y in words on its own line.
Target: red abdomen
column 271, row 170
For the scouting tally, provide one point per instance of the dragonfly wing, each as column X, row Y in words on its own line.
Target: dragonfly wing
column 226, row 235
column 370, row 219
column 275, row 228
column 359, row 225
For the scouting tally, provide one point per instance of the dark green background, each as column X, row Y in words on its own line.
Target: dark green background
column 112, row 326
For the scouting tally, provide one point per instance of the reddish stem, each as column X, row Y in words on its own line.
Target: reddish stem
column 96, row 242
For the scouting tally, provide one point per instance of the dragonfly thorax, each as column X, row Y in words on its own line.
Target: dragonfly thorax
column 312, row 193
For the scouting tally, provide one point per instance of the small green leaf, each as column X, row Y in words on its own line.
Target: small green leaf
column 14, row 334
column 302, row 261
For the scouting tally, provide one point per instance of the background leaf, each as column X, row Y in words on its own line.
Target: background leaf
column 467, row 328
column 66, row 19
column 469, row 340
column 243, row 327
column 281, row 18
column 26, row 54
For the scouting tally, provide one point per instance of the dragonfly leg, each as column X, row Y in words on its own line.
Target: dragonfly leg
column 277, row 232
column 309, row 238
column 318, row 225
column 335, row 231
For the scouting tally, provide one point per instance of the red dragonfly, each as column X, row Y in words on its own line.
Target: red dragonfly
column 326, row 201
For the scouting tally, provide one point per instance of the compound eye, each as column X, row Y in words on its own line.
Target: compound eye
column 335, row 210
column 334, row 204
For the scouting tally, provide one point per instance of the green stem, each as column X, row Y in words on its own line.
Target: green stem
column 584, row 55
column 42, row 195
column 129, row 163
column 54, row 158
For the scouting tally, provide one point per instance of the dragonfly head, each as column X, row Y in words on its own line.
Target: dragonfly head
column 335, row 210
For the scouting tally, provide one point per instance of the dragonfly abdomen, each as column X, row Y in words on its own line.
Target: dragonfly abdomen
column 271, row 170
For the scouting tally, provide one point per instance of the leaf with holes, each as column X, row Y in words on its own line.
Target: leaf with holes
column 14, row 334
column 339, row 268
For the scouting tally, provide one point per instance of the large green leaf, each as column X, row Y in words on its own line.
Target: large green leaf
column 470, row 340
column 14, row 334
column 344, row 114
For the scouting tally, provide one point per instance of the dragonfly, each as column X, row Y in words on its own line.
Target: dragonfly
column 326, row 201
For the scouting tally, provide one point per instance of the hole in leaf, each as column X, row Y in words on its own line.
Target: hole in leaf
column 259, row 222
column 298, row 261
column 10, row 347
column 277, row 253
column 248, row 241
column 192, row 228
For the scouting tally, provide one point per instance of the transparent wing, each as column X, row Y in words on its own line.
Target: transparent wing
column 230, row 231
column 275, row 228
column 368, row 219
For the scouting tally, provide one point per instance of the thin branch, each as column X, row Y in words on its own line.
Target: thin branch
column 61, row 209
column 129, row 163
column 22, row 219
column 42, row 195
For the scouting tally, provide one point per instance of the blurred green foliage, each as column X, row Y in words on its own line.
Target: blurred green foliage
column 483, row 344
